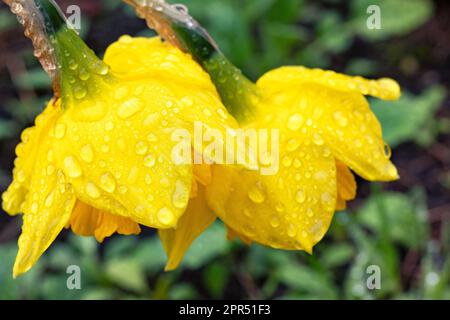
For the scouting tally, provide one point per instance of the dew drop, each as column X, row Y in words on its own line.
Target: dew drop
column 340, row 118
column 149, row 160
column 72, row 167
column 292, row 145
column 86, row 153
column 34, row 208
column 256, row 193
column 129, row 108
column 180, row 197
column 107, row 182
column 275, row 222
column 300, row 197
column 165, row 216
column 141, row 148
column 84, row 74
column 60, row 131
column 295, row 121
column 317, row 139
column 79, row 91
column 291, row 231
column 109, row 126
column 92, row 190
column 49, row 200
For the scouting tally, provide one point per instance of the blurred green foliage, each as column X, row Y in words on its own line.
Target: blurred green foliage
column 389, row 229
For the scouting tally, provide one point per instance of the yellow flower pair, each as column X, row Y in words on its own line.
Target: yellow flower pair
column 99, row 158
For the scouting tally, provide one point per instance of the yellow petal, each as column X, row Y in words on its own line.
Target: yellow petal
column 342, row 121
column 47, row 210
column 189, row 89
column 88, row 221
column 292, row 77
column 27, row 152
column 346, row 185
column 291, row 209
column 231, row 235
column 197, row 218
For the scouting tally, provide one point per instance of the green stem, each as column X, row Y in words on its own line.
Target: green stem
column 72, row 66
column 237, row 92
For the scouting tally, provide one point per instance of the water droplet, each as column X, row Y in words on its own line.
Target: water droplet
column 107, row 182
column 340, row 118
column 79, row 91
column 86, row 153
column 287, row 161
column 326, row 152
column 73, row 65
column 275, row 222
column 295, row 121
column 141, row 148
column 72, row 167
column 149, row 160
column 309, row 212
column 291, row 231
column 164, row 182
column 20, row 176
column 317, row 139
column 256, row 193
column 387, row 151
column 109, row 126
column 50, row 170
column 101, row 69
column 104, row 148
column 49, row 200
column 152, row 137
column 165, row 216
column 180, row 197
column 60, row 130
column 123, row 189
column 327, row 200
column 279, row 207
column 300, row 196
column 121, row 93
column 84, row 74
column 34, row 208
column 92, row 190
column 129, row 108
column 292, row 145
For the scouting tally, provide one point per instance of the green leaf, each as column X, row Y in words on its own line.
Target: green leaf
column 305, row 279
column 397, row 17
column 216, row 278
column 336, row 255
column 406, row 220
column 127, row 273
column 407, row 119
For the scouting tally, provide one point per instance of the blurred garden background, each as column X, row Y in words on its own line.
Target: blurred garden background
column 402, row 227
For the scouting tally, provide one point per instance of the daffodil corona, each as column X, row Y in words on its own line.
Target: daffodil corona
column 326, row 128
column 98, row 159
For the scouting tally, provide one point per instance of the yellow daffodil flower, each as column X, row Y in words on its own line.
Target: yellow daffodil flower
column 99, row 158
column 326, row 128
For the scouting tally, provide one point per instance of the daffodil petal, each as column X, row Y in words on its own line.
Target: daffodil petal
column 231, row 235
column 47, row 210
column 346, row 182
column 88, row 221
column 346, row 185
column 290, row 210
column 385, row 88
column 197, row 218
column 27, row 152
column 340, row 120
column 122, row 163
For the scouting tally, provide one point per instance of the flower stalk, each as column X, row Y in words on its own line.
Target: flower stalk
column 175, row 25
column 69, row 62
